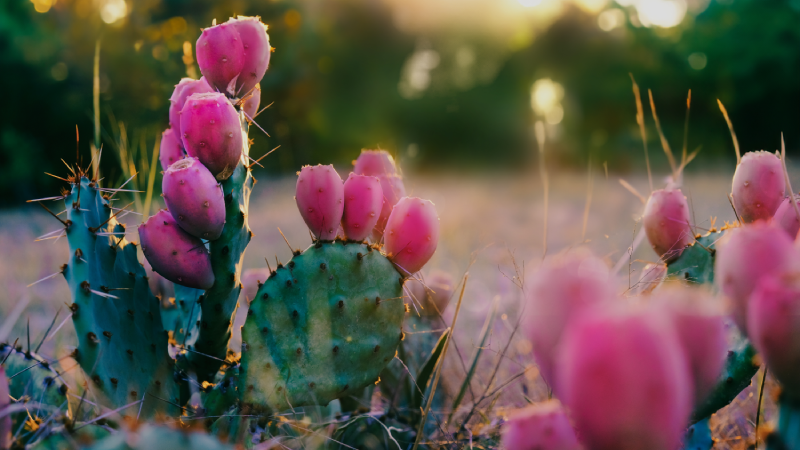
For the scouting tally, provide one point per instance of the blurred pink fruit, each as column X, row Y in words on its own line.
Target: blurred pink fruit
column 666, row 222
column 541, row 426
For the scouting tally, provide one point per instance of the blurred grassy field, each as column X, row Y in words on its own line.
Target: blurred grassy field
column 493, row 221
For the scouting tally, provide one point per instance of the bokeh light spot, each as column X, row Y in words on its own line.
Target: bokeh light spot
column 43, row 6
column 698, row 61
column 59, row 71
column 610, row 19
column 113, row 10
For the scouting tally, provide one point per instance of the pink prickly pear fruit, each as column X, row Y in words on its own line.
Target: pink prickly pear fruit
column 257, row 51
column 251, row 103
column 320, row 199
column 363, row 200
column 666, row 222
column 559, row 290
column 698, row 318
column 251, row 280
column 393, row 191
column 786, row 217
column 412, row 234
column 746, row 255
column 194, row 198
column 623, row 375
column 375, row 163
column 5, row 422
column 171, row 148
column 652, row 276
column 541, row 426
column 212, row 133
column 773, row 320
column 758, row 186
column 184, row 90
column 175, row 254
column 221, row 56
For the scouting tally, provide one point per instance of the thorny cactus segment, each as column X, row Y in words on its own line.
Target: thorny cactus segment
column 564, row 285
column 181, row 315
column 183, row 90
column 786, row 217
column 666, row 222
column 29, row 379
column 698, row 318
column 364, row 199
column 379, row 163
column 758, row 186
column 639, row 393
column 251, row 102
column 412, row 234
column 746, row 256
column 696, row 262
column 220, row 55
column 194, row 198
column 774, row 328
column 219, row 302
column 175, row 254
column 122, row 345
column 321, row 327
column 171, row 148
column 320, row 198
column 541, row 426
column 257, row 52
column 211, row 132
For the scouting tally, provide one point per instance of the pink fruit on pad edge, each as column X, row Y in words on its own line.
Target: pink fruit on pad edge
column 363, row 199
column 212, row 133
column 320, row 198
column 758, row 186
column 194, row 198
column 412, row 234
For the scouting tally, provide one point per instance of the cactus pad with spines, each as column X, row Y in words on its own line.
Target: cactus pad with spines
column 122, row 345
column 696, row 263
column 321, row 327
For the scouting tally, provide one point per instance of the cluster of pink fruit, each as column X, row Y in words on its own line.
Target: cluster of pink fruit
column 203, row 146
column 370, row 202
column 629, row 370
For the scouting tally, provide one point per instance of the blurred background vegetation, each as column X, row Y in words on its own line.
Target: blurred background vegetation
column 440, row 83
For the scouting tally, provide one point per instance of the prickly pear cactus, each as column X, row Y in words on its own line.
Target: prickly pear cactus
column 321, row 327
column 182, row 317
column 122, row 345
column 696, row 265
column 154, row 437
column 31, row 380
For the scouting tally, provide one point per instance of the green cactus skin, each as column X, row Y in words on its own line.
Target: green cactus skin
column 81, row 437
column 39, row 384
column 181, row 318
column 219, row 302
column 153, row 437
column 321, row 327
column 696, row 265
column 122, row 345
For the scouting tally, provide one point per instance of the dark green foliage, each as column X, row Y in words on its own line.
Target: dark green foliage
column 32, row 380
column 122, row 345
column 219, row 302
column 321, row 327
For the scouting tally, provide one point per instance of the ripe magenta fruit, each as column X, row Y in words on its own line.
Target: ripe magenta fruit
column 758, row 186
column 194, row 198
column 666, row 222
column 320, row 198
column 541, row 426
column 212, row 133
column 412, row 234
column 363, row 199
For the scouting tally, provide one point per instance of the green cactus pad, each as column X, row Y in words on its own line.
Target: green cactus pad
column 182, row 317
column 696, row 263
column 219, row 302
column 321, row 327
column 32, row 380
column 122, row 345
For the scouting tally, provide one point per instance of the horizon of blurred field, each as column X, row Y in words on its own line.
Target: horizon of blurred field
column 454, row 84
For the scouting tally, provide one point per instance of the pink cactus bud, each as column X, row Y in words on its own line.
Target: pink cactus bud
column 212, row 133
column 221, row 56
column 183, row 90
column 625, row 379
column 773, row 320
column 194, row 198
column 758, row 186
column 698, row 318
column 747, row 254
column 379, row 163
column 786, row 217
column 175, row 254
column 541, row 426
column 255, row 42
column 666, row 222
column 363, row 199
column 5, row 422
column 320, row 199
column 412, row 234
column 251, row 279
column 251, row 103
column 564, row 285
column 171, row 148
column 374, row 163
